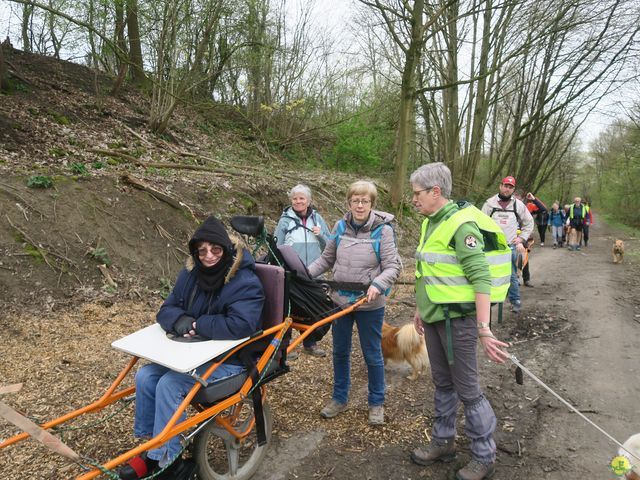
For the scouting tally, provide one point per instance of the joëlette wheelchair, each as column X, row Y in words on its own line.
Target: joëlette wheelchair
column 229, row 422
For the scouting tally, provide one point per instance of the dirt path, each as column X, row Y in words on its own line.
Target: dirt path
column 577, row 333
column 598, row 371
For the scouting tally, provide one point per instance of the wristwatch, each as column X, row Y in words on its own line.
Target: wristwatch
column 483, row 325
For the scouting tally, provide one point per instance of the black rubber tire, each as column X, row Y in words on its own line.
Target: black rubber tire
column 220, row 456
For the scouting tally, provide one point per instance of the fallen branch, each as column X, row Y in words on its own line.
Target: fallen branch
column 117, row 153
column 134, row 182
column 201, row 168
column 19, row 197
column 40, row 250
column 14, row 72
column 107, row 276
column 138, row 136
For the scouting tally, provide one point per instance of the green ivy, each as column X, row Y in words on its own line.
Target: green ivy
column 39, row 181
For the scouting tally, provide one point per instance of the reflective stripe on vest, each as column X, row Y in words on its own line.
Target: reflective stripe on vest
column 439, row 271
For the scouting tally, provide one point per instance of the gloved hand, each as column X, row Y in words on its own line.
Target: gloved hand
column 183, row 325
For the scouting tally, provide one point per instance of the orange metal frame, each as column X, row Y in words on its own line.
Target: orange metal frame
column 174, row 428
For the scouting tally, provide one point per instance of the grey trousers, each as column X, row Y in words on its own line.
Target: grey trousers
column 460, row 382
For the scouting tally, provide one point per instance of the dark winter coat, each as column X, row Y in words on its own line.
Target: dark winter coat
column 230, row 313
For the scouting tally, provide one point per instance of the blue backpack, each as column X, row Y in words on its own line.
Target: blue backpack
column 376, row 235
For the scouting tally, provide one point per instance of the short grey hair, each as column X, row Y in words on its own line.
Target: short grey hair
column 432, row 174
column 300, row 188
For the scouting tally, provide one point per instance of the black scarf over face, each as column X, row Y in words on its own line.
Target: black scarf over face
column 211, row 279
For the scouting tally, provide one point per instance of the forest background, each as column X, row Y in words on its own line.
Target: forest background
column 489, row 87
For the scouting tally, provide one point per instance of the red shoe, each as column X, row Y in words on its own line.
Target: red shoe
column 138, row 467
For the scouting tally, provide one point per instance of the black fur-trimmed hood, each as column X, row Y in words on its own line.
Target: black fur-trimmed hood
column 238, row 261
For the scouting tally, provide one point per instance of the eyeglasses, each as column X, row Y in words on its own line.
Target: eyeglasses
column 359, row 202
column 418, row 192
column 215, row 250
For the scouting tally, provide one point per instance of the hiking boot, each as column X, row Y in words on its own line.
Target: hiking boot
column 528, row 284
column 292, row 355
column 315, row 351
column 333, row 409
column 516, row 307
column 474, row 470
column 376, row 415
column 435, row 452
column 179, row 470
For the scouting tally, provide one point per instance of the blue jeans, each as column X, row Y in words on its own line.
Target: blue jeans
column 370, row 333
column 159, row 392
column 514, row 289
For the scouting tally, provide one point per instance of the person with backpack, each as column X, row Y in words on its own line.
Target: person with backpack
column 511, row 215
column 540, row 215
column 578, row 215
column 556, row 222
column 302, row 227
column 463, row 263
column 361, row 250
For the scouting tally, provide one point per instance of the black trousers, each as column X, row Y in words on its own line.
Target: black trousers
column 542, row 231
column 585, row 234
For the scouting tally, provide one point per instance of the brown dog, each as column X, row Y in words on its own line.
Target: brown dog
column 572, row 239
column 618, row 251
column 405, row 344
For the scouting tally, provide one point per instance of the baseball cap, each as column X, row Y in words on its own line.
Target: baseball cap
column 509, row 180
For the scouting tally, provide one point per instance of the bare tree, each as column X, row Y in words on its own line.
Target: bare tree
column 136, row 61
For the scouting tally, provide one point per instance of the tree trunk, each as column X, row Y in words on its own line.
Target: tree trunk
column 135, row 48
column 407, row 105
column 120, row 42
column 451, row 122
column 4, row 75
column 27, row 13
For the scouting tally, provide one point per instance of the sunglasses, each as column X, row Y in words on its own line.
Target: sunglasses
column 215, row 250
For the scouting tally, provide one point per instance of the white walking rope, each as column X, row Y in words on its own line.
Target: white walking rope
column 587, row 419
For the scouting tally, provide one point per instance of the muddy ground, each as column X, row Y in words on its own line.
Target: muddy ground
column 577, row 332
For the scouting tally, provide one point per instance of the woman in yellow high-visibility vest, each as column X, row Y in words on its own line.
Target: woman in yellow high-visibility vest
column 463, row 263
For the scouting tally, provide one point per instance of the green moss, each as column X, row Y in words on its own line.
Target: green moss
column 59, row 118
column 34, row 253
column 39, row 181
column 58, row 152
column 78, row 168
